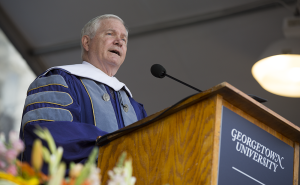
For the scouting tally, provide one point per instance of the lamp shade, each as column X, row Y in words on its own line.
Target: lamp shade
column 279, row 69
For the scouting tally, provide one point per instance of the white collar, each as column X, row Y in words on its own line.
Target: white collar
column 87, row 70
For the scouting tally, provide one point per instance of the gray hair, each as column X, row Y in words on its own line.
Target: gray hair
column 92, row 26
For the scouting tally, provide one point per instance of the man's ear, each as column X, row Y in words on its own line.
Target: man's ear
column 85, row 41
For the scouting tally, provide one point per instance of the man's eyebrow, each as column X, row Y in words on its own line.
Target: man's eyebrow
column 110, row 30
column 115, row 31
column 125, row 35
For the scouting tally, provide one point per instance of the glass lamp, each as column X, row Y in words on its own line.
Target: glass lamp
column 279, row 69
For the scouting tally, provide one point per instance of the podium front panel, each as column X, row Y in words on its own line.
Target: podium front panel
column 250, row 155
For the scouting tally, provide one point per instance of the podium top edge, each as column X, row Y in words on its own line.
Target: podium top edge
column 255, row 109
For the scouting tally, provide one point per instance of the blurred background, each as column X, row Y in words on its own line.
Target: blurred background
column 203, row 43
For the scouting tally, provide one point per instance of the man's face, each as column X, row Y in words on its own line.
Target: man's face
column 109, row 45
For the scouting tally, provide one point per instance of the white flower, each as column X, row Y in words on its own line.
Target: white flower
column 75, row 171
column 94, row 177
column 116, row 178
column 122, row 175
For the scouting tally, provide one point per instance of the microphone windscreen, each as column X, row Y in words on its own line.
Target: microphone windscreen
column 158, row 71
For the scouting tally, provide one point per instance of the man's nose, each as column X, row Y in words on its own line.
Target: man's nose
column 118, row 42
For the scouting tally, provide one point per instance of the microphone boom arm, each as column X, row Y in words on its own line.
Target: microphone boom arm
column 182, row 82
column 160, row 72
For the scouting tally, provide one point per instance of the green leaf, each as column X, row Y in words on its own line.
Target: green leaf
column 46, row 135
column 40, row 132
column 46, row 154
column 58, row 176
column 58, row 154
column 121, row 160
column 72, row 164
column 52, row 166
column 50, row 141
column 87, row 167
column 128, row 168
column 2, row 137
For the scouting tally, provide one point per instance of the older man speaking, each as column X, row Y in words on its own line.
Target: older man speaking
column 80, row 102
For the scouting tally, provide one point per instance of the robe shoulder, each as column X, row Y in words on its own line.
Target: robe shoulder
column 58, row 101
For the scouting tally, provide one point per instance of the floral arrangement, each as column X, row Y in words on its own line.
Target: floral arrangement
column 14, row 172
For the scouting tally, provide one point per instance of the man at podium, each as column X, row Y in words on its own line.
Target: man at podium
column 78, row 103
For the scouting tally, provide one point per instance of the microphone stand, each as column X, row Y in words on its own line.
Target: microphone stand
column 183, row 82
column 160, row 72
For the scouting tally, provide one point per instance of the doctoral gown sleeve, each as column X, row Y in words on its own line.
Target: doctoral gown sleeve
column 58, row 101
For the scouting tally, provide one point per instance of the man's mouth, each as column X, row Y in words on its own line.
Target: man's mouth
column 116, row 52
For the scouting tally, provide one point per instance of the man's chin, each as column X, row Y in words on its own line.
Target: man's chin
column 115, row 63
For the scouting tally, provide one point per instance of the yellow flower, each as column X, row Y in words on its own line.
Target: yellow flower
column 37, row 155
column 18, row 180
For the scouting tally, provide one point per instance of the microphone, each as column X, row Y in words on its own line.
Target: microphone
column 160, row 72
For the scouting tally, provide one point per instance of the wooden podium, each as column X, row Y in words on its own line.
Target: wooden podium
column 188, row 143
